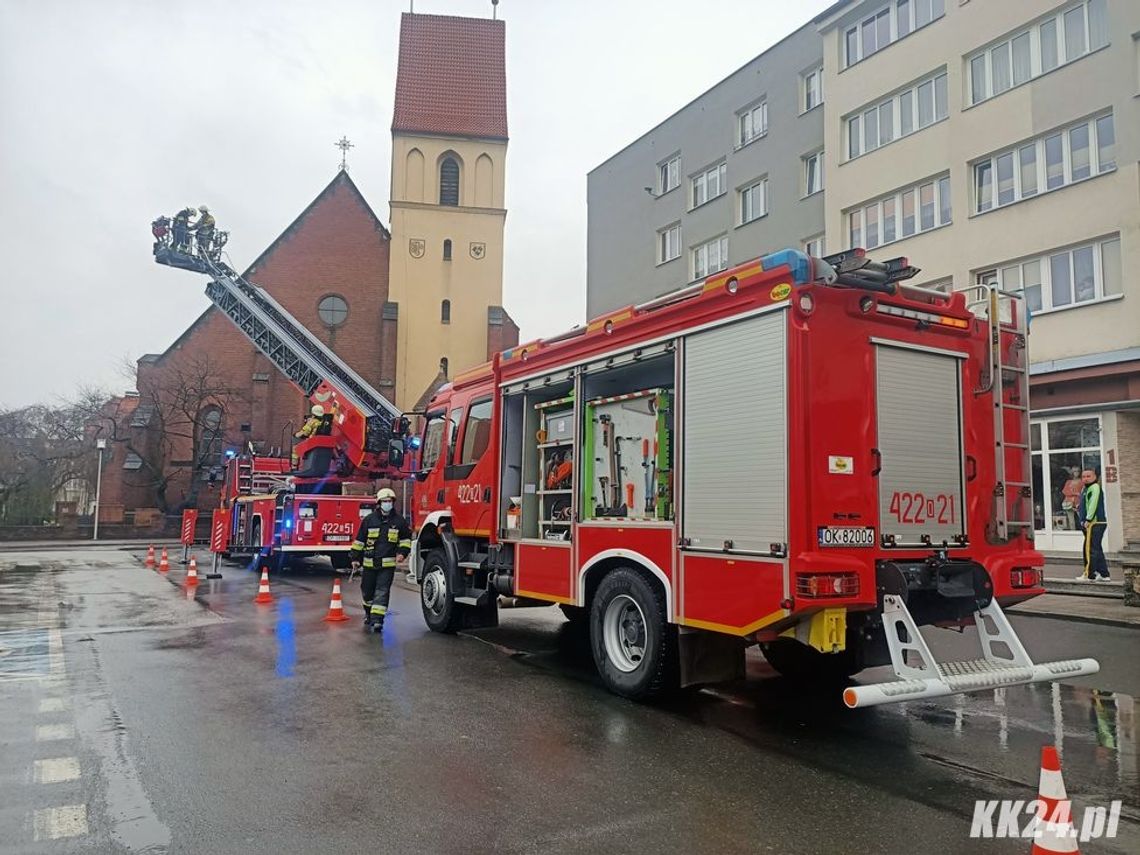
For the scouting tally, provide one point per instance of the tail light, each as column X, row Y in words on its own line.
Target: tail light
column 1025, row 577
column 827, row 585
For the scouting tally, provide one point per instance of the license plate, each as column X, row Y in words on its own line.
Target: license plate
column 338, row 538
column 849, row 536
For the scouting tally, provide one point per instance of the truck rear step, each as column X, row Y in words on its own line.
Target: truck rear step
column 1004, row 662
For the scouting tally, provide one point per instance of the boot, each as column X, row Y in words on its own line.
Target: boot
column 378, row 624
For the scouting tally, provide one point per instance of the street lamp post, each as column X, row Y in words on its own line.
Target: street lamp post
column 100, row 444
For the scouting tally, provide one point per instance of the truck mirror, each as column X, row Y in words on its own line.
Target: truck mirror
column 401, row 426
column 396, row 452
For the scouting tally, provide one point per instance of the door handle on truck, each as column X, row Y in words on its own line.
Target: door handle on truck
column 878, row 455
column 971, row 467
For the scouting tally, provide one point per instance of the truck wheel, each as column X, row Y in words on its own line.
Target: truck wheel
column 806, row 665
column 634, row 647
column 441, row 614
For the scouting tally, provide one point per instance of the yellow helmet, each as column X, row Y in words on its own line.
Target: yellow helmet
column 318, row 410
column 386, row 493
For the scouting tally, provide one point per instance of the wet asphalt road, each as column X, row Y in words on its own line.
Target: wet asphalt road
column 137, row 718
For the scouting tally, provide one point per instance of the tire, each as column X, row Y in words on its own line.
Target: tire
column 437, row 600
column 634, row 646
column 341, row 560
column 807, row 666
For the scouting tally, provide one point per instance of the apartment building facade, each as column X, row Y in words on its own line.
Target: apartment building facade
column 994, row 141
column 988, row 141
column 734, row 173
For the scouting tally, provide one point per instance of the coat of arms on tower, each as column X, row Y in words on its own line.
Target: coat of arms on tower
column 478, row 250
column 416, row 248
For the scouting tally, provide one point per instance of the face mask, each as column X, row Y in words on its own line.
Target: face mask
column 386, row 507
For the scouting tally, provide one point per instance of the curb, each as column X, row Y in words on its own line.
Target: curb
column 1069, row 616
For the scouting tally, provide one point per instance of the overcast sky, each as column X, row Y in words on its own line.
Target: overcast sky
column 113, row 111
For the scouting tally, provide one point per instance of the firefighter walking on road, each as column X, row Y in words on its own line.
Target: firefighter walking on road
column 382, row 543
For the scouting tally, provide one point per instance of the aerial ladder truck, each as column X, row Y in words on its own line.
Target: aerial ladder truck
column 276, row 511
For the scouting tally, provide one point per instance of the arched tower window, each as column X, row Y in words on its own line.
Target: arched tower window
column 445, row 312
column 443, row 365
column 449, row 181
column 447, row 249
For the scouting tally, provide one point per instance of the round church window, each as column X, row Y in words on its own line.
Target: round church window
column 333, row 310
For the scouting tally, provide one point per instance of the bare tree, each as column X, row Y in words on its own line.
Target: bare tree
column 42, row 448
column 177, row 428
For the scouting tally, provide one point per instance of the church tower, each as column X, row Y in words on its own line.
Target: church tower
column 449, row 149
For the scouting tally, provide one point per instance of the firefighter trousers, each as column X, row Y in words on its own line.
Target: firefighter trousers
column 375, row 588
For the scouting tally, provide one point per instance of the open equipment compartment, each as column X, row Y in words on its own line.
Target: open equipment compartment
column 525, row 505
column 628, row 423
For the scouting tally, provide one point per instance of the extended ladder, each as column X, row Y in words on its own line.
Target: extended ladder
column 296, row 352
column 1008, row 384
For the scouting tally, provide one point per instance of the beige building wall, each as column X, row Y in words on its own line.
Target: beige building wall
column 1105, row 79
column 421, row 278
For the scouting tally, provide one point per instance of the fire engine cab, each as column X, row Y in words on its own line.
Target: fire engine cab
column 808, row 454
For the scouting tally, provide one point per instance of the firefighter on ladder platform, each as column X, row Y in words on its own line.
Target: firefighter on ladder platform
column 204, row 231
column 382, row 543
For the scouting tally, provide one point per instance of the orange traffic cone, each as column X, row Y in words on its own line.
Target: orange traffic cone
column 164, row 563
column 1055, row 834
column 149, row 557
column 336, row 607
column 192, row 571
column 263, row 595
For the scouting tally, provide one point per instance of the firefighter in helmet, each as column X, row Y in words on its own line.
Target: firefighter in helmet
column 382, row 543
column 204, row 230
column 182, row 228
column 312, row 423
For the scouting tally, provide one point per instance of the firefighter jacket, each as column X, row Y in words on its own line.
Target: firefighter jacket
column 309, row 427
column 206, row 223
column 182, row 218
column 381, row 538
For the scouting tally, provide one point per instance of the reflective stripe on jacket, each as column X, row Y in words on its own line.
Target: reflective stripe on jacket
column 382, row 538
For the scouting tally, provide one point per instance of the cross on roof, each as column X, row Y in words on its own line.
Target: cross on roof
column 344, row 145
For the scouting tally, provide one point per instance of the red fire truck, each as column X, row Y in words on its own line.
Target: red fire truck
column 808, row 454
column 279, row 511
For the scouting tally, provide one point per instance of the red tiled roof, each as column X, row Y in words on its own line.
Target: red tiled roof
column 452, row 76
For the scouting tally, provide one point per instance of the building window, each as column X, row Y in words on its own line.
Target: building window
column 708, row 258
column 132, row 461
column 447, row 249
column 332, row 310
column 812, row 88
column 910, row 211
column 752, row 124
column 445, row 312
column 709, row 184
column 813, row 173
column 813, row 246
column 1047, row 163
column 443, row 371
column 1061, row 450
column 668, row 174
column 1063, row 278
column 669, row 243
column 888, row 24
column 208, row 440
column 754, row 201
column 898, row 115
column 1059, row 39
column 449, row 181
